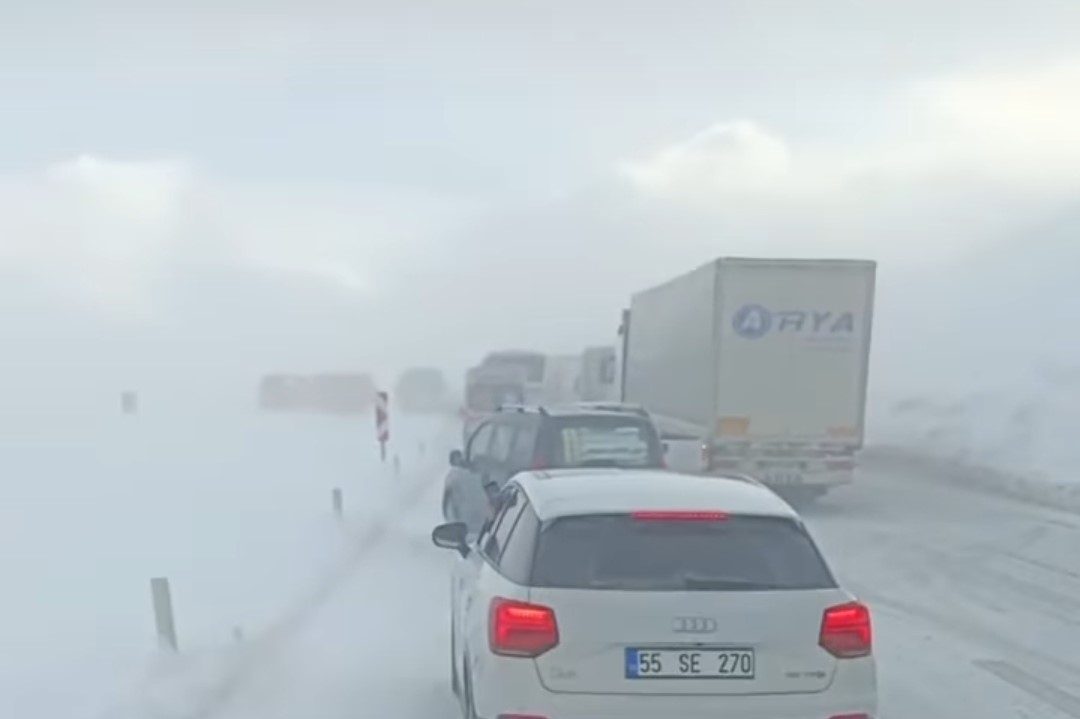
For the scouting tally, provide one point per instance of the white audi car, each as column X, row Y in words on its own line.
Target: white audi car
column 600, row 594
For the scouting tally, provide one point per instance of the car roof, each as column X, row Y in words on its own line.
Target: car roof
column 574, row 410
column 567, row 492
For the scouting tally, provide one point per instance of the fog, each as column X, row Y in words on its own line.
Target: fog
column 192, row 197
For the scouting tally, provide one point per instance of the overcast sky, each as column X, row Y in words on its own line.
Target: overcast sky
column 382, row 183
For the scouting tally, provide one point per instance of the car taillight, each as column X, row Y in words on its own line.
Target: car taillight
column 860, row 715
column 839, row 465
column 846, row 632
column 521, row 629
column 676, row 516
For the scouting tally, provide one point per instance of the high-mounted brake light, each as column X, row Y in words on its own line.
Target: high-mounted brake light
column 846, row 631
column 521, row 629
column 675, row 516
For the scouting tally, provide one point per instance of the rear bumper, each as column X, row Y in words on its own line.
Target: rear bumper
column 518, row 691
column 557, row 706
column 795, row 476
column 812, row 479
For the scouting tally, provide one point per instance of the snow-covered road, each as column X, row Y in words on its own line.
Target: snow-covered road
column 976, row 597
column 977, row 602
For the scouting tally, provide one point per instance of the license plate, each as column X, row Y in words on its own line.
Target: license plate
column 690, row 663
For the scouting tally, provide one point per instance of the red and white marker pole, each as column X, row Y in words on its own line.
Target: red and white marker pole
column 382, row 422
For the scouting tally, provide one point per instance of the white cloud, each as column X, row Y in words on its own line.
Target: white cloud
column 1019, row 126
column 112, row 234
column 968, row 157
column 94, row 230
column 734, row 158
column 131, row 238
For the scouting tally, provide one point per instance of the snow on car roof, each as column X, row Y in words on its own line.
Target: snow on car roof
column 565, row 492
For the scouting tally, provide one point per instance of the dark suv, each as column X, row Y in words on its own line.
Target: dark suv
column 519, row 437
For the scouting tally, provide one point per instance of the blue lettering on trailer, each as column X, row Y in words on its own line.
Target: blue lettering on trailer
column 756, row 321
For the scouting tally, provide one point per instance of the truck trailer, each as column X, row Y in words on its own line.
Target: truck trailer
column 765, row 361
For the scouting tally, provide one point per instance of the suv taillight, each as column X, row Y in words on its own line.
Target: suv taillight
column 521, row 629
column 846, row 632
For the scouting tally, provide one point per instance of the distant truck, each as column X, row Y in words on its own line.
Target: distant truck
column 562, row 380
column 597, row 380
column 489, row 387
column 421, row 390
column 546, row 379
column 528, row 365
column 765, row 361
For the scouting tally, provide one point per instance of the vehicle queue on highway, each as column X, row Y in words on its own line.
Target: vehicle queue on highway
column 604, row 571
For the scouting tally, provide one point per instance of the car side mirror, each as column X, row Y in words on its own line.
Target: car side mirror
column 665, row 447
column 491, row 489
column 457, row 459
column 452, row 535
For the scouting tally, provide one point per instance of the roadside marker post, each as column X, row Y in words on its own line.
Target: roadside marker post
column 382, row 422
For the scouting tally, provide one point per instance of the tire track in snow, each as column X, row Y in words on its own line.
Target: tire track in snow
column 207, row 702
column 273, row 639
column 1036, row 687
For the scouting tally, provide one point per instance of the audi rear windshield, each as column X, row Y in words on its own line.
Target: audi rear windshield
column 620, row 552
column 617, row 440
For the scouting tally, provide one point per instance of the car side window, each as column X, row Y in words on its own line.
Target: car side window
column 502, row 441
column 511, row 505
column 495, row 515
column 515, row 562
column 481, row 440
column 524, row 449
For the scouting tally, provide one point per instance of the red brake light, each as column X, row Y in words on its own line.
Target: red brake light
column 520, row 629
column 674, row 516
column 846, row 631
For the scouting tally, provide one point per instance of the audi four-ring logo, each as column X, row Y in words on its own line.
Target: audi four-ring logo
column 693, row 625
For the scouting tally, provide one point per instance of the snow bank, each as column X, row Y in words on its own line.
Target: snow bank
column 976, row 366
column 1019, row 430
column 233, row 507
column 1014, row 437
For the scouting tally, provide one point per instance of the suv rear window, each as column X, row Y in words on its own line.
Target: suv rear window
column 601, row 441
column 487, row 397
column 740, row 553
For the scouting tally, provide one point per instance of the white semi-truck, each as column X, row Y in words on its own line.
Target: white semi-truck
column 764, row 361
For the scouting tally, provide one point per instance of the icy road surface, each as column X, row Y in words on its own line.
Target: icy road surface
column 977, row 602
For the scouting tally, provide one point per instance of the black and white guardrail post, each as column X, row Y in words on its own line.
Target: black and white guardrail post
column 382, row 422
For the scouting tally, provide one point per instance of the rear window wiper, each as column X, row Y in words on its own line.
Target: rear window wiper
column 599, row 463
